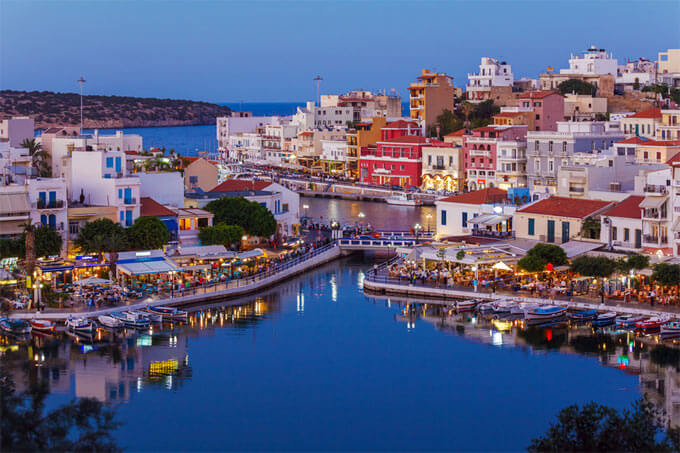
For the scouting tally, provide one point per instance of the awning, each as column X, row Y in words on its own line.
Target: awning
column 14, row 203
column 652, row 202
column 250, row 254
column 576, row 248
column 489, row 219
column 144, row 267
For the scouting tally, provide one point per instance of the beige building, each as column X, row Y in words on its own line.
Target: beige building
column 581, row 107
column 556, row 219
column 642, row 124
column 603, row 83
column 669, row 127
column 443, row 168
column 430, row 96
column 669, row 61
column 79, row 215
column 200, row 174
column 15, row 210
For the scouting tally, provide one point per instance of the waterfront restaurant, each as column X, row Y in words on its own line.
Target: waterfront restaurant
column 144, row 267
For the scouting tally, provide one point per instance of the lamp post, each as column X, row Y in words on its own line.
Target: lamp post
column 417, row 227
column 81, row 81
column 428, row 217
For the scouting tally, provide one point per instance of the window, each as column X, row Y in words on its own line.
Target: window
column 465, row 217
column 626, row 234
column 550, row 147
column 537, row 165
column 614, row 233
column 532, row 227
column 564, row 147
column 536, row 145
column 120, row 194
column 443, row 217
column 109, row 162
column 551, row 166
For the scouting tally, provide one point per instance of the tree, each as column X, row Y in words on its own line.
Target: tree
column 147, row 233
column 47, row 241
column 598, row 428
column 448, row 122
column 38, row 157
column 105, row 228
column 29, row 241
column 221, row 234
column 577, row 86
column 254, row 218
column 591, row 228
column 634, row 261
column 593, row 266
column 538, row 257
column 82, row 425
column 666, row 274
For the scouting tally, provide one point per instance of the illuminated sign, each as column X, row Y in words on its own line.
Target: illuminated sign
column 143, row 254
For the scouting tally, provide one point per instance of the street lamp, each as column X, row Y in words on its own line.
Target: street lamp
column 428, row 217
column 417, row 227
column 361, row 215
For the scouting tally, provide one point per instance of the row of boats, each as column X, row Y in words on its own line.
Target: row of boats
column 130, row 318
column 537, row 314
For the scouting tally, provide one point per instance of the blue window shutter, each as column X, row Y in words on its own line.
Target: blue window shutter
column 109, row 162
column 120, row 193
column 531, row 227
column 465, row 220
column 122, row 216
column 118, row 168
column 443, row 217
column 43, row 219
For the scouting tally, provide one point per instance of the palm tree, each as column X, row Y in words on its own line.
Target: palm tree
column 114, row 244
column 467, row 109
column 29, row 242
column 38, row 157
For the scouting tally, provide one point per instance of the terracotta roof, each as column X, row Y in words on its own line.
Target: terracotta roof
column 471, row 239
column 240, row 185
column 675, row 160
column 634, row 140
column 649, row 113
column 537, row 94
column 132, row 153
column 458, row 133
column 306, row 133
column 662, row 143
column 407, row 139
column 489, row 195
column 577, row 208
column 400, row 124
column 628, row 208
column 151, row 208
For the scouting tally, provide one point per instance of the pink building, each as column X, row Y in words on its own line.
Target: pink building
column 548, row 108
column 479, row 153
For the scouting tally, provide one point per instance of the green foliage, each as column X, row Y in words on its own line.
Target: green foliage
column 81, row 425
column 92, row 236
column 538, row 257
column 47, row 241
column 664, row 90
column 221, row 234
column 38, row 157
column 577, row 86
column 460, row 255
column 666, row 274
column 475, row 115
column 635, row 261
column 591, row 228
column 10, row 248
column 254, row 218
column 593, row 266
column 147, row 233
column 598, row 428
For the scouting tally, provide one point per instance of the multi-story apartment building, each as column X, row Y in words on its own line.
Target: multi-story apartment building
column 326, row 117
column 480, row 153
column 547, row 106
column 649, row 151
column 641, row 124
column 492, row 73
column 621, row 225
column 594, row 61
column 244, row 147
column 511, row 167
column 669, row 127
column 547, row 151
column 430, row 96
column 365, row 104
column 228, row 126
column 669, row 61
column 395, row 161
column 515, row 116
column 584, row 107
column 334, row 156
column 658, row 212
column 49, row 205
column 635, row 75
column 443, row 167
column 363, row 134
column 273, row 148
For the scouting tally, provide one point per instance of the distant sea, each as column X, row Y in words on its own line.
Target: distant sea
column 190, row 140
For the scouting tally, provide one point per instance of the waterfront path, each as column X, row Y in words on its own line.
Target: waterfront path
column 200, row 294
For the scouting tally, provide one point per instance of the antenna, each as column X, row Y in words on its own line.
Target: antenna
column 318, row 79
column 81, row 81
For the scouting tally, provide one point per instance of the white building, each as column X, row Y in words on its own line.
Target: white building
column 330, row 117
column 15, row 164
column 274, row 150
column 230, row 125
column 492, row 73
column 167, row 188
column 621, row 225
column 17, row 129
column 334, row 151
column 511, row 164
column 455, row 214
column 49, row 206
column 593, row 62
column 245, row 147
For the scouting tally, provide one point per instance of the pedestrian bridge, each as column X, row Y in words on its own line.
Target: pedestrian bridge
column 374, row 244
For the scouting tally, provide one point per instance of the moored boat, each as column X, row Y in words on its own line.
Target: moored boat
column 151, row 317
column 109, row 321
column 545, row 313
column 670, row 328
column 649, row 325
column 466, row 305
column 43, row 325
column 628, row 321
column 604, row 319
column 403, row 200
column 505, row 306
column 15, row 326
column 130, row 319
column 584, row 315
column 168, row 312
column 80, row 324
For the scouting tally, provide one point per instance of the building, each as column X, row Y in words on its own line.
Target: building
column 669, row 127
column 511, row 164
column 635, row 75
column 232, row 125
column 622, row 225
column 151, row 208
column 363, row 134
column 15, row 210
column 584, row 107
column 80, row 214
column 454, row 213
column 365, row 104
column 547, row 106
column 515, row 116
column 200, row 174
column 641, row 124
column 191, row 220
column 334, row 156
column 456, row 138
column 669, row 61
column 245, row 147
column 16, row 165
column 274, row 148
column 556, row 219
column 443, row 167
column 49, row 205
column 326, row 117
column 658, row 212
column 430, row 96
column 16, row 129
column 548, row 150
column 593, row 62
column 480, row 153
column 492, row 73
column 396, row 161
column 655, row 151
column 604, row 84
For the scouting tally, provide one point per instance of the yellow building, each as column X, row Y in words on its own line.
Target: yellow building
column 517, row 118
column 656, row 152
column 669, row 61
column 669, row 127
column 642, row 124
column 363, row 134
column 430, row 97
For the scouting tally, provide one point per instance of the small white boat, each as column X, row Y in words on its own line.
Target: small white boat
column 670, row 328
column 80, row 324
column 604, row 319
column 466, row 305
column 109, row 321
column 523, row 308
column 628, row 321
column 403, row 199
column 130, row 319
column 545, row 313
column 505, row 306
column 15, row 326
column 168, row 312
column 486, row 307
column 151, row 317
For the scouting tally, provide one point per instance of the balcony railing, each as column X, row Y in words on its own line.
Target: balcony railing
column 655, row 189
column 654, row 214
column 649, row 239
column 51, row 204
column 493, row 234
column 130, row 201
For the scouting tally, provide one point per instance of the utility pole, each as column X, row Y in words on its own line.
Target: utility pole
column 81, row 81
column 318, row 79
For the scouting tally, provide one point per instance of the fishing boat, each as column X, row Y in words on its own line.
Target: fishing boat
column 670, row 328
column 403, row 200
column 43, row 325
column 505, row 306
column 604, row 319
column 628, row 321
column 109, row 321
column 545, row 313
column 80, row 324
column 649, row 325
column 486, row 308
column 151, row 317
column 466, row 305
column 15, row 326
column 523, row 308
column 585, row 315
column 130, row 319
column 168, row 312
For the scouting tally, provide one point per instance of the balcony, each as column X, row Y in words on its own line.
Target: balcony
column 654, row 240
column 655, row 189
column 129, row 201
column 51, row 204
column 480, row 152
column 437, row 167
column 654, row 214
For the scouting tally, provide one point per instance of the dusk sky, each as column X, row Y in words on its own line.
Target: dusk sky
column 271, row 51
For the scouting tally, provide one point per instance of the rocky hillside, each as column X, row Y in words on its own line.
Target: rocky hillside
column 52, row 109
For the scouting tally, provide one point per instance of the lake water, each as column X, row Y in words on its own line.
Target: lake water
column 314, row 364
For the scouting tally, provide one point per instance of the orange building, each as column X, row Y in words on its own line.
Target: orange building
column 363, row 134
column 430, row 96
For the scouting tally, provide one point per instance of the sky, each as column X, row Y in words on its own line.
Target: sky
column 226, row 51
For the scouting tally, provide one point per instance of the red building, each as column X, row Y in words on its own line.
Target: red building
column 399, row 128
column 479, row 152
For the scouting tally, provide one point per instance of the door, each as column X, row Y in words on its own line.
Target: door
column 551, row 231
column 565, row 232
column 128, row 196
column 638, row 239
